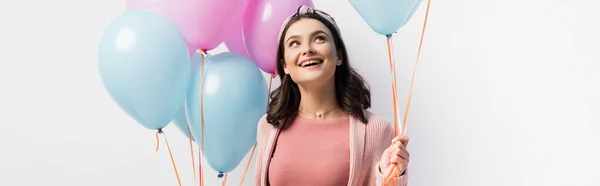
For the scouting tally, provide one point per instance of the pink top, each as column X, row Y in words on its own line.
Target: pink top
column 312, row 152
column 367, row 143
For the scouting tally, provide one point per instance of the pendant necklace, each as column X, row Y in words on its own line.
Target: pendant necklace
column 317, row 114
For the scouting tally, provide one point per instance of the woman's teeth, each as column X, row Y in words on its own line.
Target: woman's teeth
column 310, row 63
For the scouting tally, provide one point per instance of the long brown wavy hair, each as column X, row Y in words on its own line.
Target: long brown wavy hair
column 352, row 92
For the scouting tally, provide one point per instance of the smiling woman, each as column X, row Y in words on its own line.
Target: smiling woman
column 310, row 56
column 317, row 130
column 307, row 39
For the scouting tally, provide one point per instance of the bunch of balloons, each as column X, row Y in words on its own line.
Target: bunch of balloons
column 153, row 62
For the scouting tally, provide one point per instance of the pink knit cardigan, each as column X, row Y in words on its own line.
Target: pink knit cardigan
column 367, row 143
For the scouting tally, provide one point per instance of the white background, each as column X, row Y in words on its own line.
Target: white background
column 508, row 93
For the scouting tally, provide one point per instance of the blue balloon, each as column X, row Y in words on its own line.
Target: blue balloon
column 181, row 122
column 180, row 119
column 234, row 100
column 385, row 16
column 145, row 67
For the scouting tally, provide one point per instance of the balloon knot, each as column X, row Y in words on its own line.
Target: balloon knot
column 203, row 51
column 160, row 131
column 388, row 36
column 220, row 175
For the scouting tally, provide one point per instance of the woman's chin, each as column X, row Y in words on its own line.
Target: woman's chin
column 313, row 78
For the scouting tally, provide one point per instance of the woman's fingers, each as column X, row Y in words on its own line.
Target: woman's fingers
column 403, row 139
column 398, row 150
column 397, row 138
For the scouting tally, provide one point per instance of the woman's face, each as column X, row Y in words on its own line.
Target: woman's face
column 309, row 52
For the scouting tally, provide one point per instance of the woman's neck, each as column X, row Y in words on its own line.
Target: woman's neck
column 320, row 102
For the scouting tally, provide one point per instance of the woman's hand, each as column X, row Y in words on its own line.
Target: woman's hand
column 394, row 155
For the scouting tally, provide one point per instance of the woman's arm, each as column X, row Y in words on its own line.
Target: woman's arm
column 259, row 150
column 258, row 167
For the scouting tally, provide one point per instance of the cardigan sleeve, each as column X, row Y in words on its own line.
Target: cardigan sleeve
column 380, row 178
column 260, row 146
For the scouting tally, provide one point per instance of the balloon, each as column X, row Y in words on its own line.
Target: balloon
column 205, row 23
column 159, row 6
column 144, row 65
column 262, row 24
column 385, row 16
column 180, row 119
column 234, row 100
column 235, row 39
column 235, row 42
column 181, row 122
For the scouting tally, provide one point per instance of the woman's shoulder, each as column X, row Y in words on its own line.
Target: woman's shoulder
column 378, row 125
column 263, row 124
column 376, row 120
column 264, row 127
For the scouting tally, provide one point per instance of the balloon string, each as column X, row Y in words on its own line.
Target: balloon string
column 224, row 180
column 172, row 160
column 202, row 116
column 248, row 165
column 390, row 180
column 157, row 141
column 394, row 98
column 389, row 176
column 170, row 154
column 394, row 94
column 416, row 65
column 200, row 164
column 396, row 168
column 192, row 153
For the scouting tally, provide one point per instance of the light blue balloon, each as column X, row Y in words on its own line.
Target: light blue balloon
column 386, row 16
column 145, row 67
column 180, row 119
column 235, row 98
column 181, row 122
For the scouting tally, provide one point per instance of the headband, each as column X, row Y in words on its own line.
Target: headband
column 304, row 9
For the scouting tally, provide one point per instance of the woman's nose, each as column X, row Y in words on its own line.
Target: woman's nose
column 308, row 50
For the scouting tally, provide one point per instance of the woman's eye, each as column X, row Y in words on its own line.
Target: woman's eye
column 319, row 38
column 294, row 43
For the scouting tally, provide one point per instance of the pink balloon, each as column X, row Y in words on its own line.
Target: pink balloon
column 205, row 23
column 235, row 42
column 235, row 39
column 262, row 23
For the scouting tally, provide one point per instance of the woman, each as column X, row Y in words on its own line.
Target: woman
column 317, row 130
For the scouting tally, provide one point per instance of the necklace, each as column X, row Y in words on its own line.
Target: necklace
column 317, row 114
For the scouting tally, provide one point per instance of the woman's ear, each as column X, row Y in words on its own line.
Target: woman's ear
column 285, row 70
